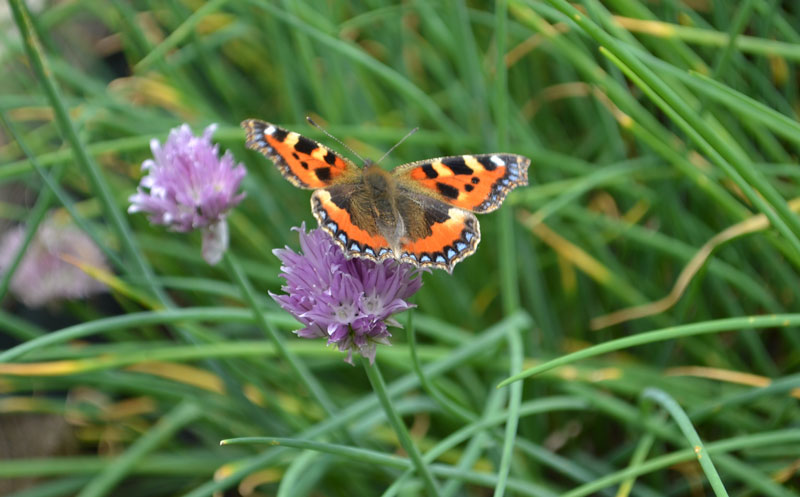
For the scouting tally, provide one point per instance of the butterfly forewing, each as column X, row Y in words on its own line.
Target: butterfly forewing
column 477, row 183
column 303, row 161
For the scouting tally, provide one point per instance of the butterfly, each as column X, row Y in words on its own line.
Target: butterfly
column 420, row 213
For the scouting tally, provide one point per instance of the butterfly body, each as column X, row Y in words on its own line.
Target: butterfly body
column 419, row 213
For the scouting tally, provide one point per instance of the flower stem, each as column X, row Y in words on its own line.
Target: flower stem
column 378, row 385
column 512, row 422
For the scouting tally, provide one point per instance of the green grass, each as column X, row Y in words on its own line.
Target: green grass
column 652, row 128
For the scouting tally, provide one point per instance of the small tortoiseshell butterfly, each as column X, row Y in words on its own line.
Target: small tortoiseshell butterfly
column 420, row 213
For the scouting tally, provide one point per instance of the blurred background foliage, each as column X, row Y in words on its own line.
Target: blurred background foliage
column 663, row 136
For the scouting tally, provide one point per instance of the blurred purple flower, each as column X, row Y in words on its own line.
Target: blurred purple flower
column 188, row 186
column 43, row 274
column 348, row 301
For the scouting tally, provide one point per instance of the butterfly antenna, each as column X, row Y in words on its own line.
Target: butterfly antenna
column 340, row 142
column 398, row 143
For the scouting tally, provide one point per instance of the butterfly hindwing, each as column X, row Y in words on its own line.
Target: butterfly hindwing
column 478, row 183
column 303, row 161
column 340, row 213
column 437, row 235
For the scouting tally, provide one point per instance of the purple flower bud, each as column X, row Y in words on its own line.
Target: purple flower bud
column 348, row 301
column 188, row 186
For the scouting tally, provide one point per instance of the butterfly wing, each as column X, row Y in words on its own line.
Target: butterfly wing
column 477, row 183
column 303, row 161
column 343, row 211
column 436, row 234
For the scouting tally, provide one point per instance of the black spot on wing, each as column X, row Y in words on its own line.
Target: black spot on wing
column 487, row 163
column 304, row 145
column 447, row 190
column 279, row 134
column 457, row 165
column 475, row 180
column 468, row 187
column 304, row 164
column 330, row 158
column 429, row 171
column 323, row 173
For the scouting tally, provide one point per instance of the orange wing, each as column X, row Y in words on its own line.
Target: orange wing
column 477, row 183
column 339, row 214
column 436, row 234
column 441, row 237
column 304, row 162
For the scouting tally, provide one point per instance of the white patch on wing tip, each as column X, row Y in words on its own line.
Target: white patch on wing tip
column 497, row 160
column 270, row 130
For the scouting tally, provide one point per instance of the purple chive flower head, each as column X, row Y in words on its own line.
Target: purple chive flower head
column 188, row 186
column 45, row 274
column 348, row 301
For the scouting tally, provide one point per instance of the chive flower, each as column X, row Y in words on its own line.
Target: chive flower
column 46, row 272
column 188, row 186
column 348, row 301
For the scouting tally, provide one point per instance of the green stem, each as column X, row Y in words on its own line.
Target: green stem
column 671, row 333
column 680, row 417
column 509, row 283
column 709, row 38
column 515, row 352
column 639, row 456
column 134, row 319
column 378, row 385
column 737, row 26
